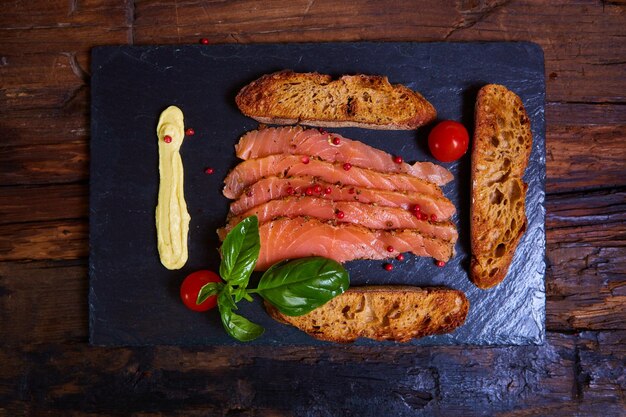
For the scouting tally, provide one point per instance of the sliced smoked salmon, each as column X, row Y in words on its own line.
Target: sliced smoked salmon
column 367, row 215
column 272, row 188
column 332, row 147
column 250, row 171
column 298, row 237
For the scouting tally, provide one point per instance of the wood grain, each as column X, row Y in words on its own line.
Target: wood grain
column 404, row 381
column 46, row 367
column 583, row 67
column 62, row 239
column 37, row 14
column 61, row 162
column 43, row 203
column 586, row 281
column 585, row 157
column 43, row 302
column 80, row 32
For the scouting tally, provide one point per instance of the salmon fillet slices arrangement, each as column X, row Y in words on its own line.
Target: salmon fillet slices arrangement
column 332, row 147
column 321, row 194
column 271, row 188
column 252, row 170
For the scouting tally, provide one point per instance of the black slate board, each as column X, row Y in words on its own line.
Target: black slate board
column 133, row 300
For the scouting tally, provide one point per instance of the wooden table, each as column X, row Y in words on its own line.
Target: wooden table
column 47, row 367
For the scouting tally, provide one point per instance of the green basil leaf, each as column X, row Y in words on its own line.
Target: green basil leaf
column 240, row 252
column 238, row 326
column 241, row 293
column 300, row 286
column 225, row 298
column 208, row 290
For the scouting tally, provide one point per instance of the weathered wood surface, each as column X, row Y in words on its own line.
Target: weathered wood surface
column 46, row 367
column 567, row 374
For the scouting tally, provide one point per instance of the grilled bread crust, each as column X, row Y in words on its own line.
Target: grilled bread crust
column 314, row 99
column 397, row 313
column 501, row 148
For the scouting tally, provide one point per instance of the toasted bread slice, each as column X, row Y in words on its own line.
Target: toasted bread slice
column 367, row 101
column 397, row 313
column 502, row 145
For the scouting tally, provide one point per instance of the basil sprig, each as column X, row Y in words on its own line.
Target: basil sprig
column 300, row 286
column 294, row 287
column 240, row 252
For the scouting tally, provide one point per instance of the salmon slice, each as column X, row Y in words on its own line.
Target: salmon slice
column 272, row 188
column 332, row 147
column 298, row 237
column 366, row 215
column 252, row 170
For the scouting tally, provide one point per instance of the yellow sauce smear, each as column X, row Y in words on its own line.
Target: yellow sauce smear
column 172, row 218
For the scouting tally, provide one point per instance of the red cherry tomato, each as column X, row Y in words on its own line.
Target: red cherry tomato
column 448, row 141
column 191, row 286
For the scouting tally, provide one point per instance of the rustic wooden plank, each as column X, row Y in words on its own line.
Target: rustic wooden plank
column 69, row 123
column 61, row 13
column 43, row 302
column 290, row 21
column 52, row 97
column 602, row 358
column 41, row 70
column 44, row 48
column 586, row 252
column 586, row 65
column 567, row 375
column 572, row 408
column 36, row 81
column 584, row 114
column 594, row 217
column 43, row 203
column 44, row 26
column 584, row 146
column 62, row 239
column 43, row 164
column 579, row 157
column 399, row 381
column 582, row 42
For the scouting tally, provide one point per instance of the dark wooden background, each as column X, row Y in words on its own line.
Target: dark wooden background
column 46, row 366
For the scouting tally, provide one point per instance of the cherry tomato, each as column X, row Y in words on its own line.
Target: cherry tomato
column 191, row 286
column 448, row 141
